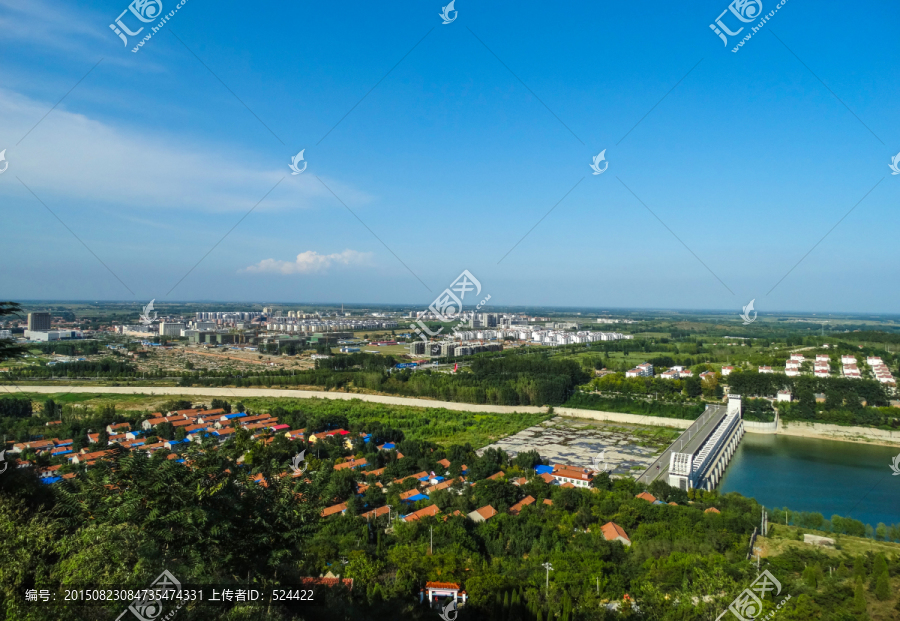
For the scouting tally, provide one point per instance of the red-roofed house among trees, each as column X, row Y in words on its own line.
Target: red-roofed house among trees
column 613, row 532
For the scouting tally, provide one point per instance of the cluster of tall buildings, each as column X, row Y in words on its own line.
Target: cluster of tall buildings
column 328, row 325
column 449, row 349
column 226, row 316
column 536, row 336
column 39, row 329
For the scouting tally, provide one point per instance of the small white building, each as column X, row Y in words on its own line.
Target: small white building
column 784, row 395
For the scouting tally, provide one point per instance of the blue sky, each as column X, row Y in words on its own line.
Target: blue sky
column 450, row 159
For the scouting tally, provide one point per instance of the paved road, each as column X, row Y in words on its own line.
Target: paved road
column 688, row 442
column 312, row 394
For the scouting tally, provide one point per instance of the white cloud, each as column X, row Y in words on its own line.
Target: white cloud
column 310, row 262
column 74, row 157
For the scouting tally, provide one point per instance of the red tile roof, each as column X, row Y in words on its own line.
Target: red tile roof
column 486, row 512
column 612, row 531
column 518, row 506
column 339, row 508
column 374, row 513
column 350, row 463
column 418, row 515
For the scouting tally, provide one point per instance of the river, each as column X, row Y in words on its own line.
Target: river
column 824, row 476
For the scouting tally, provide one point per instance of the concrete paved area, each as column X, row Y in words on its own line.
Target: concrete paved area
column 582, row 444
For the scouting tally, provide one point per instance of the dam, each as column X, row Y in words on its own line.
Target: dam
column 699, row 456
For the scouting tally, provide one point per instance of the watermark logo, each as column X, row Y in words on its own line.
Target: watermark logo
column 746, row 314
column 146, row 319
column 146, row 12
column 448, row 305
column 600, row 462
column 748, row 605
column 3, row 459
column 445, row 13
column 745, row 12
column 297, row 460
column 596, row 165
column 295, row 161
column 149, row 607
column 450, row 609
column 894, row 165
column 894, row 466
column 6, row 164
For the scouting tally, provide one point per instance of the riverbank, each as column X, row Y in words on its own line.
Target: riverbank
column 823, row 431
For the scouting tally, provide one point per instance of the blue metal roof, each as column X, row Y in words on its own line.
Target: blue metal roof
column 236, row 415
column 544, row 469
column 417, row 497
column 49, row 480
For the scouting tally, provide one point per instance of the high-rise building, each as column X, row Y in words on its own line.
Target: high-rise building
column 38, row 321
column 168, row 328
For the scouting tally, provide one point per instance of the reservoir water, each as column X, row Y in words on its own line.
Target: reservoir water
column 824, row 476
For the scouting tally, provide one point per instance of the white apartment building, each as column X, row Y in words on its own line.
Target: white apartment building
column 641, row 370
column 167, row 328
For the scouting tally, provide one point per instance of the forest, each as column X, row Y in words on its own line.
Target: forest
column 125, row 520
column 846, row 401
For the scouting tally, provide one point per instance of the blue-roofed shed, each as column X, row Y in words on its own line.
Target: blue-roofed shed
column 544, row 469
column 416, row 498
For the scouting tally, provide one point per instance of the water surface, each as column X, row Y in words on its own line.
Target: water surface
column 824, row 476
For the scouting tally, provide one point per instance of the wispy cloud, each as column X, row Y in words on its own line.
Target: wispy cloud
column 73, row 156
column 310, row 262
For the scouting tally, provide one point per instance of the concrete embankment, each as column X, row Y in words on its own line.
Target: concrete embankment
column 824, row 431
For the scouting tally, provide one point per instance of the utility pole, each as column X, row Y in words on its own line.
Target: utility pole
column 549, row 568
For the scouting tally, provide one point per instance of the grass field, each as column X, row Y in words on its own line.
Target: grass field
column 422, row 423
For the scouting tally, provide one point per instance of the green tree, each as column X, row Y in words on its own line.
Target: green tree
column 9, row 348
column 859, row 568
column 859, row 600
column 883, row 587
